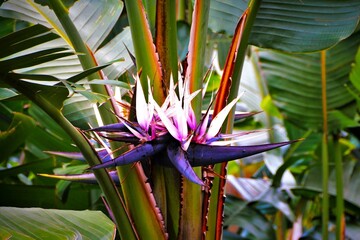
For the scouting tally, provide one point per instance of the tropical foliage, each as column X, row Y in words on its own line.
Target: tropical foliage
column 149, row 90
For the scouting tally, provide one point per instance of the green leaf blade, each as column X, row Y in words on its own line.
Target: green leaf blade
column 291, row 26
column 60, row 224
column 295, row 83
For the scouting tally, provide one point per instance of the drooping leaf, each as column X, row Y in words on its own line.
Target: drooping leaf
column 311, row 26
column 351, row 179
column 94, row 20
column 33, row 59
column 29, row 224
column 238, row 213
column 25, row 38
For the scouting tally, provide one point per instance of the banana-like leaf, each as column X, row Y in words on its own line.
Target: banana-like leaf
column 24, row 39
column 351, row 177
column 251, row 190
column 94, row 20
column 292, row 26
column 120, row 46
column 238, row 213
column 28, row 223
column 295, row 84
column 16, row 54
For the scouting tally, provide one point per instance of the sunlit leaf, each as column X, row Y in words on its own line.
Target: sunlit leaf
column 30, row 222
column 7, row 93
column 94, row 19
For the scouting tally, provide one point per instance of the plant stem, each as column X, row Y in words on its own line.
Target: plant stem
column 180, row 10
column 191, row 217
column 166, row 181
column 340, row 221
column 166, row 39
column 324, row 149
column 146, row 58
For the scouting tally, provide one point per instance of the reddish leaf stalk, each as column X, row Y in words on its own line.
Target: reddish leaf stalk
column 220, row 103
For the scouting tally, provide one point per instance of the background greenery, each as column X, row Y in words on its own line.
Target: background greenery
column 302, row 57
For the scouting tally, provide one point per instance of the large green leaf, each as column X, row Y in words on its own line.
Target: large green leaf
column 294, row 26
column 94, row 19
column 117, row 48
column 29, row 223
column 295, row 84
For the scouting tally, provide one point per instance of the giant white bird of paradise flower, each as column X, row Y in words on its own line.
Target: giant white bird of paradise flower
column 172, row 129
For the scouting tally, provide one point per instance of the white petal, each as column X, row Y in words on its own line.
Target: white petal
column 204, row 123
column 185, row 145
column 219, row 119
column 142, row 114
column 166, row 121
column 133, row 131
column 180, row 118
